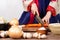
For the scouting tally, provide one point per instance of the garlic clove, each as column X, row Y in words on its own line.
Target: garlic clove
column 24, row 35
column 43, row 36
column 39, row 35
column 4, row 33
column 35, row 35
column 29, row 35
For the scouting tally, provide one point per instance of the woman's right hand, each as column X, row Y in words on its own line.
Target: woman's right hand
column 34, row 9
column 26, row 3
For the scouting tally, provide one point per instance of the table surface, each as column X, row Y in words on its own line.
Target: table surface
column 50, row 36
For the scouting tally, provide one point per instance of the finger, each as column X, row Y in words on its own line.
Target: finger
column 23, row 0
column 45, row 21
column 37, row 12
column 33, row 11
column 48, row 21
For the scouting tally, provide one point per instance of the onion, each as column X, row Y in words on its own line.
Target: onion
column 14, row 21
column 15, row 32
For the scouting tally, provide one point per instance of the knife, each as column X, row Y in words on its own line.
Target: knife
column 39, row 20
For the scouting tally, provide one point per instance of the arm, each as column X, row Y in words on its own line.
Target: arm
column 51, row 10
column 52, row 7
column 26, row 4
column 34, row 9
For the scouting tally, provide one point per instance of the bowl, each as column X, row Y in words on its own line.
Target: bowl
column 55, row 28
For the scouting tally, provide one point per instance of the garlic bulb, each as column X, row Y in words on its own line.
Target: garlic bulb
column 4, row 33
column 43, row 36
column 24, row 35
column 39, row 35
column 35, row 35
column 29, row 35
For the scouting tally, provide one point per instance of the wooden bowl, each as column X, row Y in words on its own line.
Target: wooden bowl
column 55, row 28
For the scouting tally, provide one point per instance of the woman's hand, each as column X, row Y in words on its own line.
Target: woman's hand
column 34, row 9
column 47, row 17
column 26, row 3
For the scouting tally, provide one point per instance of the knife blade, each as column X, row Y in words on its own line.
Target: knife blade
column 39, row 20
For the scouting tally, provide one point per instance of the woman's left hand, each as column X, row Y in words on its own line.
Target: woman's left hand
column 47, row 17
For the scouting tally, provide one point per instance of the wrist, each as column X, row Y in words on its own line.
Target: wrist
column 48, row 14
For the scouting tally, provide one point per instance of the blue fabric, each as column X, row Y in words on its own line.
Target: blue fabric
column 53, row 19
column 43, row 6
column 58, row 18
column 24, row 18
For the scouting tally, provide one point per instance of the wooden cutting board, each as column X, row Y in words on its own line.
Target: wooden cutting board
column 31, row 27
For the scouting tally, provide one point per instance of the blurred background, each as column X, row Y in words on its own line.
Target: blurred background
column 11, row 9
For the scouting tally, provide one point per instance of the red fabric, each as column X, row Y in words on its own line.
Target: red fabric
column 29, row 6
column 53, row 0
column 36, row 1
column 31, row 14
column 53, row 11
column 31, row 18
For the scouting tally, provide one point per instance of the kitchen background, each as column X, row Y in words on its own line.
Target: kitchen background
column 11, row 9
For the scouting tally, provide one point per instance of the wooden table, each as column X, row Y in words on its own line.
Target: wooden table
column 50, row 36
